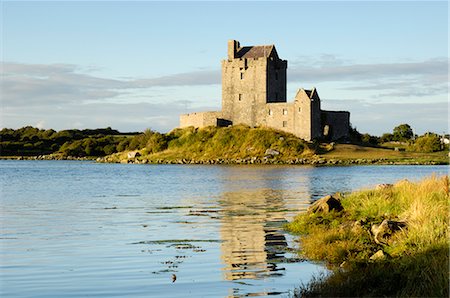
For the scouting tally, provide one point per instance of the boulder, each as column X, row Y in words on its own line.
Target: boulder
column 325, row 205
column 384, row 186
column 384, row 230
column 133, row 154
column 271, row 152
column 379, row 255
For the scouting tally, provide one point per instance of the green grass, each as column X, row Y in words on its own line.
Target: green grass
column 236, row 142
column 240, row 144
column 352, row 152
column 417, row 258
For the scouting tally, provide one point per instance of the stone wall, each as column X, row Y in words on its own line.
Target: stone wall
column 280, row 116
column 243, row 90
column 200, row 119
column 338, row 125
column 276, row 80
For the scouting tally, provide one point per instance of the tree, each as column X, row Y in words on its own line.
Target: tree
column 403, row 132
column 386, row 137
column 427, row 143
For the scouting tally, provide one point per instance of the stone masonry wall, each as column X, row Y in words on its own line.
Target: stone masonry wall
column 199, row 119
column 243, row 90
column 338, row 124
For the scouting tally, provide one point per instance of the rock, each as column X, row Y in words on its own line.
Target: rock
column 271, row 152
column 384, row 230
column 384, row 186
column 133, row 154
column 379, row 255
column 325, row 205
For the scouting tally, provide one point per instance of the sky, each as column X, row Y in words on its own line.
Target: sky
column 138, row 65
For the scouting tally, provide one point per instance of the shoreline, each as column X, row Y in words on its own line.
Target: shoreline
column 238, row 161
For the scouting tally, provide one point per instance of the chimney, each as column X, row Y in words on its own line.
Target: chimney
column 233, row 46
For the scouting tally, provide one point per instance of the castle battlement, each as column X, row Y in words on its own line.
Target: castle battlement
column 254, row 93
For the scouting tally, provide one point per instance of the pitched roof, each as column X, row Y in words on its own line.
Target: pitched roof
column 312, row 94
column 255, row 51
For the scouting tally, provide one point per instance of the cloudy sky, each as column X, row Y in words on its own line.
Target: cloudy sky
column 138, row 65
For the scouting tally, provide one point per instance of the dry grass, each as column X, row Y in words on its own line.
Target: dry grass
column 417, row 257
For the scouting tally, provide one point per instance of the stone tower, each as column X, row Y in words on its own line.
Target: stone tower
column 251, row 77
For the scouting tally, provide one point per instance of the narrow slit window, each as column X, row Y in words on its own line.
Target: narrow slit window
column 284, row 111
column 242, row 75
column 240, row 97
column 270, row 113
column 299, row 109
column 284, row 123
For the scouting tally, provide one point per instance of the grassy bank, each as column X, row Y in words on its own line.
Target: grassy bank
column 412, row 261
column 244, row 145
column 224, row 143
column 350, row 153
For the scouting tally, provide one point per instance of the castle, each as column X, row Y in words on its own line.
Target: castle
column 254, row 94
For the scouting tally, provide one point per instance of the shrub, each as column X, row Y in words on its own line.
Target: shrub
column 427, row 143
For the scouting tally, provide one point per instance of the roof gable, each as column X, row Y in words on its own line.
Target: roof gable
column 257, row 52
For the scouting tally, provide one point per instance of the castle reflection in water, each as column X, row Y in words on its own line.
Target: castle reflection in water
column 254, row 245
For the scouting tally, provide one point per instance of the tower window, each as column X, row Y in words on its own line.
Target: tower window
column 284, row 123
column 284, row 111
column 240, row 97
column 270, row 113
column 299, row 109
column 242, row 75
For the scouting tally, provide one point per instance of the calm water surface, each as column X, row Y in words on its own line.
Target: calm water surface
column 84, row 229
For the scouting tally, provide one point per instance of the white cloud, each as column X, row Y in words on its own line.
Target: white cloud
column 377, row 118
column 64, row 97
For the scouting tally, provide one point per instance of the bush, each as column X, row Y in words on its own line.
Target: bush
column 427, row 143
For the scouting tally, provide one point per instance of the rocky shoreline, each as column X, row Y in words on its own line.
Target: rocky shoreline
column 314, row 161
column 46, row 157
column 268, row 161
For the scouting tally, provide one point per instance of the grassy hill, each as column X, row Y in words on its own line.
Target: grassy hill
column 225, row 143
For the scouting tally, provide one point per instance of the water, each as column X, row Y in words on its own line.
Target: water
column 84, row 229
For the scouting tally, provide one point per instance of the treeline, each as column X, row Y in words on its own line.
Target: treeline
column 29, row 141
column 402, row 137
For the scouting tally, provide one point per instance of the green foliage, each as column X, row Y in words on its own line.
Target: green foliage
column 355, row 136
column 427, row 143
column 33, row 141
column 403, row 132
column 422, row 275
column 368, row 139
